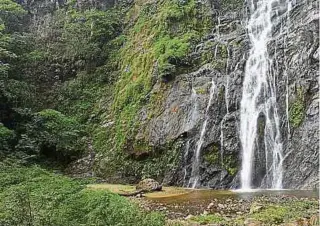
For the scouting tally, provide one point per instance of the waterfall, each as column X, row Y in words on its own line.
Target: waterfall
column 195, row 172
column 259, row 98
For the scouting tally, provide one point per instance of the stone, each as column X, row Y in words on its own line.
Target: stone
column 252, row 222
column 221, row 206
column 149, row 185
column 255, row 207
column 210, row 205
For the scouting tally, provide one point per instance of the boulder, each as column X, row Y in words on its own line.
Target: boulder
column 149, row 185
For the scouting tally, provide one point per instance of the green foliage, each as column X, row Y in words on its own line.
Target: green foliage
column 208, row 219
column 61, row 66
column 159, row 165
column 277, row 214
column 6, row 138
column 32, row 196
column 297, row 109
column 10, row 15
column 160, row 39
column 12, row 89
column 154, row 165
column 52, row 134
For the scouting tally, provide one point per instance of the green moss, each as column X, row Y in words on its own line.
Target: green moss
column 201, row 90
column 209, row 44
column 297, row 109
column 155, row 106
column 169, row 32
column 208, row 219
column 207, row 57
column 216, row 54
column 212, row 156
column 141, row 147
column 230, row 164
column 156, row 162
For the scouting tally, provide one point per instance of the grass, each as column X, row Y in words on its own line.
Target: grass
column 33, row 196
column 208, row 219
column 291, row 211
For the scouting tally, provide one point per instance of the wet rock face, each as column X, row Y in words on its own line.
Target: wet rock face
column 297, row 80
column 295, row 54
column 185, row 101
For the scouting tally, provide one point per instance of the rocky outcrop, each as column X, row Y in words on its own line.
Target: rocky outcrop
column 294, row 51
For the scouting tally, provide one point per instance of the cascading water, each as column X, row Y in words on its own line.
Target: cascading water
column 195, row 172
column 259, row 98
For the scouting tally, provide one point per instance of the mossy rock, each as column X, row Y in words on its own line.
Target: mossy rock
column 149, row 185
column 297, row 109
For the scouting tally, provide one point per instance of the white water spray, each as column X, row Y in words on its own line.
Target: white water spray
column 195, row 173
column 259, row 98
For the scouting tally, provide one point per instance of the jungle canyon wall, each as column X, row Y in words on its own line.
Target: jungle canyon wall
column 172, row 110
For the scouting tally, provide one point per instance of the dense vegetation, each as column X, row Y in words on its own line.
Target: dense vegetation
column 78, row 77
column 59, row 74
column 33, row 196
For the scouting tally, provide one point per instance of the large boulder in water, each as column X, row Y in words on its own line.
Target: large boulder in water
column 149, row 185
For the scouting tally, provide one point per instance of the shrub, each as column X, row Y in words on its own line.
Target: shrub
column 6, row 138
column 52, row 134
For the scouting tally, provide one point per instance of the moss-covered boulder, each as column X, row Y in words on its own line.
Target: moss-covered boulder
column 149, row 185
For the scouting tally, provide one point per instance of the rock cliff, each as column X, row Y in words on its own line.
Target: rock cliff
column 185, row 64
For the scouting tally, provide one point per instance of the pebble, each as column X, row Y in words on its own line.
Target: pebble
column 252, row 222
column 226, row 208
column 210, row 205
